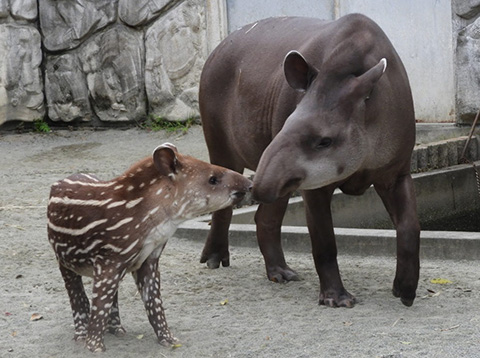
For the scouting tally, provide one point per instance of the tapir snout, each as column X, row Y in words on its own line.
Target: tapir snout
column 276, row 177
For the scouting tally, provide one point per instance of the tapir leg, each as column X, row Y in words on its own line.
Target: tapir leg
column 215, row 250
column 324, row 248
column 147, row 278
column 399, row 200
column 269, row 221
column 114, row 325
column 78, row 301
column 216, row 246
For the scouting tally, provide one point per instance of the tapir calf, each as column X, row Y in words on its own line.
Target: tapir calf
column 104, row 229
column 313, row 105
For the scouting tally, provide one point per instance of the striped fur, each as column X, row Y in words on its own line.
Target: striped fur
column 104, row 229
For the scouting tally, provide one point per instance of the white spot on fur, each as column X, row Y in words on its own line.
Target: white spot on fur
column 128, row 249
column 116, row 203
column 133, row 203
column 120, row 223
column 76, row 232
column 68, row 201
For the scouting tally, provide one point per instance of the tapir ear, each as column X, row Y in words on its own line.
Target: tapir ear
column 365, row 83
column 165, row 159
column 298, row 72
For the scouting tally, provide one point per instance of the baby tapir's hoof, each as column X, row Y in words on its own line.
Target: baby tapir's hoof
column 169, row 342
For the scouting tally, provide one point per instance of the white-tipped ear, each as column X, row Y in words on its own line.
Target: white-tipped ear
column 167, row 145
column 165, row 159
column 384, row 61
column 363, row 85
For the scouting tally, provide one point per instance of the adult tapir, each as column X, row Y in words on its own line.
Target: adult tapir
column 313, row 105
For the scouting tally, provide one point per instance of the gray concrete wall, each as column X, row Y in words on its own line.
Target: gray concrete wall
column 242, row 12
column 421, row 31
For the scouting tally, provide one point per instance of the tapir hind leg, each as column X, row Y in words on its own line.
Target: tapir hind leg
column 269, row 221
column 324, row 248
column 399, row 200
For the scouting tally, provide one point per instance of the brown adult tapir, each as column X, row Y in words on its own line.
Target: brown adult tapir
column 313, row 105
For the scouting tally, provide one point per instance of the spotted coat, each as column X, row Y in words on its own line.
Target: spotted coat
column 104, row 229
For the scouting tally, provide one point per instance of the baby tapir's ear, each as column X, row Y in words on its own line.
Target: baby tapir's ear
column 165, row 159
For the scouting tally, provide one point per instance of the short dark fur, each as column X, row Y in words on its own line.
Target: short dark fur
column 338, row 114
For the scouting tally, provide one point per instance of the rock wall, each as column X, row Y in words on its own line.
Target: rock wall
column 466, row 20
column 100, row 60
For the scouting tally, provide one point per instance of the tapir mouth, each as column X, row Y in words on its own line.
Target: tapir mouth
column 268, row 194
column 237, row 196
column 290, row 186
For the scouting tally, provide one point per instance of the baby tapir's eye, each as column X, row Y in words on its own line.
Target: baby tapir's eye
column 213, row 180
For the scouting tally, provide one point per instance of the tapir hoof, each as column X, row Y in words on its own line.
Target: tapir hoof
column 80, row 336
column 169, row 342
column 213, row 260
column 336, row 299
column 281, row 275
column 95, row 346
column 118, row 331
column 407, row 300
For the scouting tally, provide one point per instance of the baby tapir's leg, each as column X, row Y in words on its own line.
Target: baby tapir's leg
column 105, row 286
column 78, row 302
column 114, row 326
column 147, row 278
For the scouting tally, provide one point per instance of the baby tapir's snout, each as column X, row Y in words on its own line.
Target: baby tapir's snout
column 105, row 229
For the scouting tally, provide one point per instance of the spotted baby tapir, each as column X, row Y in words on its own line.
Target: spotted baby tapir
column 104, row 229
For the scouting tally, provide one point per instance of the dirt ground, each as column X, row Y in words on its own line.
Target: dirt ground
column 229, row 312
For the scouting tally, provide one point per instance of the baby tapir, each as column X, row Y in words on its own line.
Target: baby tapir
column 104, row 229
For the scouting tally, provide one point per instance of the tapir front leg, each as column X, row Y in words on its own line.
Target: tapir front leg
column 399, row 200
column 269, row 221
column 324, row 248
column 147, row 278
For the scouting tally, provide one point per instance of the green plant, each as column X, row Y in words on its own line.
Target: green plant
column 155, row 124
column 39, row 125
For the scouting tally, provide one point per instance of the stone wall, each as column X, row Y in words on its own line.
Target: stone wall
column 466, row 20
column 100, row 60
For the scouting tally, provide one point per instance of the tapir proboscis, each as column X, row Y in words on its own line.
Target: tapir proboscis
column 313, row 105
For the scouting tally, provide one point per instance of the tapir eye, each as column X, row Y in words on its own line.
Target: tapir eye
column 213, row 180
column 324, row 142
